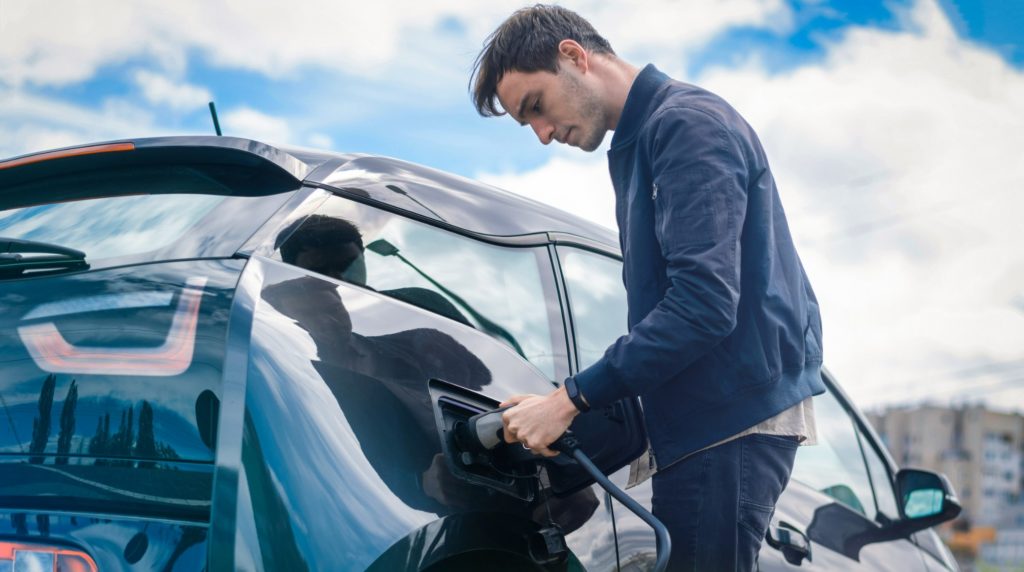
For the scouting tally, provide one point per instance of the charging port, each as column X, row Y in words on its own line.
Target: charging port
column 514, row 475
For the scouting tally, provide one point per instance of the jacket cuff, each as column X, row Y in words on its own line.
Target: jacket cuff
column 599, row 386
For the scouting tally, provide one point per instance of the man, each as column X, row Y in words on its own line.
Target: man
column 724, row 342
column 328, row 245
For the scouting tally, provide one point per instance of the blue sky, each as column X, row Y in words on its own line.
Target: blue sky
column 894, row 128
column 380, row 114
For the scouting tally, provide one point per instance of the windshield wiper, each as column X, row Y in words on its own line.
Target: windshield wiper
column 19, row 256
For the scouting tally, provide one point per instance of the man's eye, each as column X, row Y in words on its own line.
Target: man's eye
column 536, row 107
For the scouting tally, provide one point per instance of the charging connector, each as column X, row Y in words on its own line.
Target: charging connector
column 482, row 432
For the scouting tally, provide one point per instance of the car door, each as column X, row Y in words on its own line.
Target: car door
column 360, row 317
column 843, row 481
column 597, row 304
column 839, row 496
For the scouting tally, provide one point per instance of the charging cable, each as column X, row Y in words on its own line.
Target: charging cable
column 484, row 432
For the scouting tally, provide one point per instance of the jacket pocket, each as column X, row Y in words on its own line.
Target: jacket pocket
column 812, row 335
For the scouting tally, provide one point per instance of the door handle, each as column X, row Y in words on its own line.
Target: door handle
column 786, row 538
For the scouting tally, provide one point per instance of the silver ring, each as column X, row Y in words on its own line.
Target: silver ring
column 524, row 446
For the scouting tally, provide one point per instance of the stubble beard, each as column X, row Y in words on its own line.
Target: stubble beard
column 593, row 119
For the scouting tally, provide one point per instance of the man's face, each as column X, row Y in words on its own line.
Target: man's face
column 342, row 262
column 562, row 107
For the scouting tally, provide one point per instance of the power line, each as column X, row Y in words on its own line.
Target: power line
column 898, row 218
column 992, row 387
column 976, row 370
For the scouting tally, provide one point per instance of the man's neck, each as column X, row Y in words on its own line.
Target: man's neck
column 617, row 75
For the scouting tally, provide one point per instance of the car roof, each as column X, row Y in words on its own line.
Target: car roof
column 429, row 193
column 446, row 197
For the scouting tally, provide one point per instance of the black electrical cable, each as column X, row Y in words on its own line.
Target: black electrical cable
column 568, row 444
column 483, row 432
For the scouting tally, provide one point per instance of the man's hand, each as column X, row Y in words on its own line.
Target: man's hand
column 537, row 420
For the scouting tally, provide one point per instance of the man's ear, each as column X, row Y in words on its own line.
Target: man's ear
column 572, row 53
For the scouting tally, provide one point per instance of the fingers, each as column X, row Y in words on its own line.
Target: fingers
column 515, row 400
column 545, row 451
column 506, row 416
column 509, row 437
column 525, row 420
column 538, row 450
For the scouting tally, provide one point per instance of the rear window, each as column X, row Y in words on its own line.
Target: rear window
column 163, row 212
column 110, row 227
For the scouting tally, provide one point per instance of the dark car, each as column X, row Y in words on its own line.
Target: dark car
column 217, row 354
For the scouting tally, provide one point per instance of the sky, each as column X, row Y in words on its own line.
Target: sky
column 895, row 131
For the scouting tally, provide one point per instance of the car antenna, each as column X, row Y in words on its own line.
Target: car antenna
column 213, row 113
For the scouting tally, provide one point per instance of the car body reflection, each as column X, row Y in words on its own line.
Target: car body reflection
column 365, row 449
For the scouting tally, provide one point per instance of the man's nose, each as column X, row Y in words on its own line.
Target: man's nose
column 544, row 130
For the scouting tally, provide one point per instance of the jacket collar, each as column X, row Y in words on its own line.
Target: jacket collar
column 637, row 106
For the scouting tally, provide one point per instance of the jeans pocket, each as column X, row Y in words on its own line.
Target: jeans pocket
column 784, row 441
column 765, row 468
column 754, row 518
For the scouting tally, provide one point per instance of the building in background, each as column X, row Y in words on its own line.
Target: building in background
column 982, row 453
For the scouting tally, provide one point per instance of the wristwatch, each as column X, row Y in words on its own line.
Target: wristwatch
column 575, row 396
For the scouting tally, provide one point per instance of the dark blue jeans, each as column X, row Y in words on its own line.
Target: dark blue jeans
column 717, row 503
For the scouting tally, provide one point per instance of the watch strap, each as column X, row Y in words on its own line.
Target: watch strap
column 573, row 391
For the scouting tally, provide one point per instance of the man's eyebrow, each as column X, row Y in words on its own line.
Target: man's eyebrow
column 522, row 107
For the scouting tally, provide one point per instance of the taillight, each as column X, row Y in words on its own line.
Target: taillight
column 18, row 556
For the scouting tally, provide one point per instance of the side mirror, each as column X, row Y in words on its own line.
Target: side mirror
column 926, row 499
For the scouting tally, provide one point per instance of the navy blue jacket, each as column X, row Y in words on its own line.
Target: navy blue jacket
column 724, row 329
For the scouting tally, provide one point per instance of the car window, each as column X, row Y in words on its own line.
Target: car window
column 835, row 465
column 881, row 481
column 112, row 226
column 506, row 292
column 597, row 300
column 110, row 215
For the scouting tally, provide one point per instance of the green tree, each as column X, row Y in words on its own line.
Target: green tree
column 41, row 424
column 145, row 446
column 67, row 424
column 99, row 445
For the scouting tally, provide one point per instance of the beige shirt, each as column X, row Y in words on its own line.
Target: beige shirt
column 797, row 421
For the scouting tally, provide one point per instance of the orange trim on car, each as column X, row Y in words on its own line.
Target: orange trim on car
column 90, row 150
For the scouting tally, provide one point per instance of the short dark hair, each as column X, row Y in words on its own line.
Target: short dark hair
column 528, row 42
column 315, row 232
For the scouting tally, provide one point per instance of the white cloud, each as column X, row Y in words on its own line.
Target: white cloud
column 375, row 58
column 43, row 46
column 574, row 184
column 253, row 124
column 658, row 28
column 35, row 123
column 898, row 160
column 320, row 141
column 162, row 90
column 31, row 123
column 897, row 156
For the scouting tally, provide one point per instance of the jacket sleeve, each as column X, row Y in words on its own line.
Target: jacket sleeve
column 700, row 178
